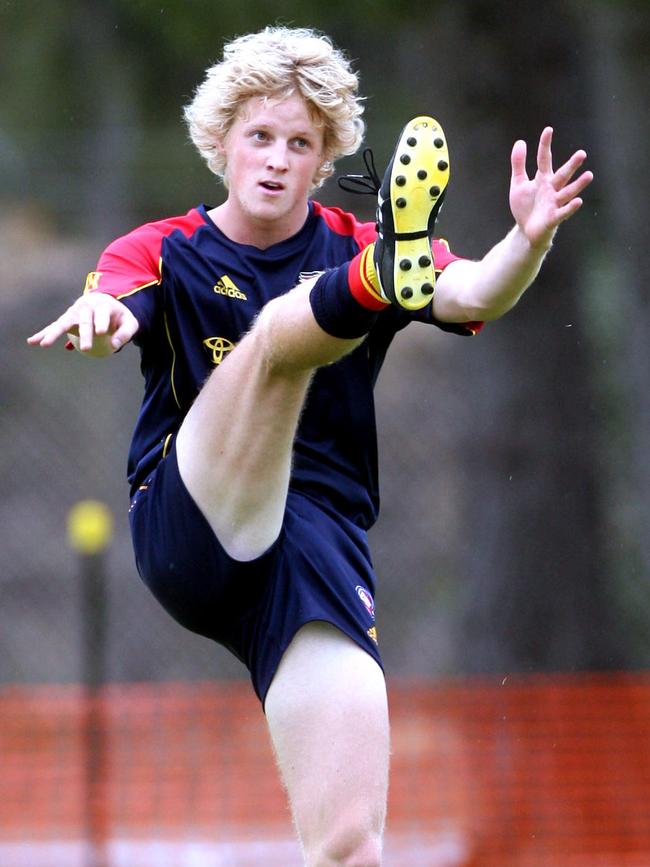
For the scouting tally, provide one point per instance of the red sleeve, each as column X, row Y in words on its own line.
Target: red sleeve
column 133, row 263
column 128, row 264
column 442, row 255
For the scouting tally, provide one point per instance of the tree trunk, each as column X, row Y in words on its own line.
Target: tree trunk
column 617, row 90
column 537, row 595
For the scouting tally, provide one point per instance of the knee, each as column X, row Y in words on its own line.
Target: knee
column 349, row 845
column 289, row 340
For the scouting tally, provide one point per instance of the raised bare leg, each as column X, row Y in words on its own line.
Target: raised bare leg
column 234, row 446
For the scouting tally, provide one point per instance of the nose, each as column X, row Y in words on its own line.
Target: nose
column 278, row 156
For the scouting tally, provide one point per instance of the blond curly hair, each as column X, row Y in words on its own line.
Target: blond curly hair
column 278, row 62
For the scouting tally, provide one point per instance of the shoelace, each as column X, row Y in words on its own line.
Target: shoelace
column 369, row 185
column 362, row 184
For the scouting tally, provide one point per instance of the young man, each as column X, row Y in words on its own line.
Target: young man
column 253, row 462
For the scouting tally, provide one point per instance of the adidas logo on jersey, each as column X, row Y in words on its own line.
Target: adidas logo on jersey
column 226, row 287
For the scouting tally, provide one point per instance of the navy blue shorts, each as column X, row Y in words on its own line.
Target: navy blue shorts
column 319, row 568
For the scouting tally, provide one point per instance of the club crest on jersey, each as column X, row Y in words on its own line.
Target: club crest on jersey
column 219, row 347
column 92, row 281
column 304, row 276
column 366, row 597
column 225, row 286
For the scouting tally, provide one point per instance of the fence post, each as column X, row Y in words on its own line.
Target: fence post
column 90, row 529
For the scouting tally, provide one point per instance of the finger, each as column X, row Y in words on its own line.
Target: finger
column 101, row 316
column 48, row 336
column 518, row 161
column 86, row 321
column 568, row 210
column 35, row 339
column 570, row 191
column 125, row 332
column 567, row 171
column 544, row 154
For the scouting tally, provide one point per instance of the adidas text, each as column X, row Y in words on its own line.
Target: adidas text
column 226, row 287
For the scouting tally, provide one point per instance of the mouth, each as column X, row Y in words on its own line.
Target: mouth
column 272, row 186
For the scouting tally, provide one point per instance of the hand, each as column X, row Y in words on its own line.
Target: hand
column 92, row 316
column 540, row 204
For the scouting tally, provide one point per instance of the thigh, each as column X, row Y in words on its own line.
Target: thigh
column 327, row 714
column 235, row 444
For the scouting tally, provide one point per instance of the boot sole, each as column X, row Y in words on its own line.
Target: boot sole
column 419, row 178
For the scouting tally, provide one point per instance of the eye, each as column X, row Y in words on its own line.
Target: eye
column 301, row 143
column 259, row 135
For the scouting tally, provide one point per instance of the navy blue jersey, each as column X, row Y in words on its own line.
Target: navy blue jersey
column 195, row 293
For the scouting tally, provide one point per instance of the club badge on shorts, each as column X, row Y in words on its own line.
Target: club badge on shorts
column 366, row 597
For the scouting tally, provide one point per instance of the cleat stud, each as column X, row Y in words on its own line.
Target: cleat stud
column 426, row 289
column 434, row 192
column 442, row 165
column 405, row 264
column 422, row 174
column 406, row 292
column 438, row 142
column 401, row 203
column 411, row 141
column 400, row 180
column 405, row 159
column 424, row 261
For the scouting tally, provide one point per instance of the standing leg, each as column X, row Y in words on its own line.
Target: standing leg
column 328, row 717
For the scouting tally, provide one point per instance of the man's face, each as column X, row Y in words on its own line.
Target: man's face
column 273, row 151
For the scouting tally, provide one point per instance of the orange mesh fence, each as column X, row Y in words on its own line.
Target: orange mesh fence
column 537, row 771
column 528, row 771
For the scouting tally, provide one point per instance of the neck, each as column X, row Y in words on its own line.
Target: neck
column 246, row 229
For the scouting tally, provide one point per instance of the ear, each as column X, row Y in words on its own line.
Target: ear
column 325, row 170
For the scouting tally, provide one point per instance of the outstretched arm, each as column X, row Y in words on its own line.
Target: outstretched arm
column 487, row 289
column 96, row 323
